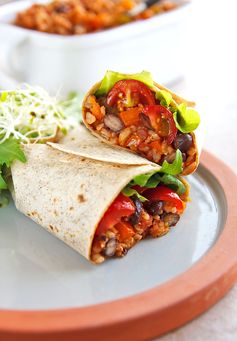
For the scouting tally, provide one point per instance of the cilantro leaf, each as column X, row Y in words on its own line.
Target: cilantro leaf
column 10, row 150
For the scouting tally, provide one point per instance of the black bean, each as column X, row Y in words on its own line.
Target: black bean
column 103, row 237
column 124, row 252
column 154, row 207
column 170, row 218
column 113, row 122
column 134, row 218
column 183, row 142
column 103, row 102
column 184, row 157
column 110, row 247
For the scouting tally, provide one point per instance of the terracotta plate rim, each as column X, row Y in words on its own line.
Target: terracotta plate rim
column 172, row 303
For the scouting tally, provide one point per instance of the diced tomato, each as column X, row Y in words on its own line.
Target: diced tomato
column 121, row 207
column 162, row 121
column 131, row 116
column 156, row 145
column 125, row 231
column 132, row 92
column 165, row 194
column 94, row 107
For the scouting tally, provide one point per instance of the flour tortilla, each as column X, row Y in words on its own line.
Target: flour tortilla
column 175, row 97
column 68, row 193
column 80, row 142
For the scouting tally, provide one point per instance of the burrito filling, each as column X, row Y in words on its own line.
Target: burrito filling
column 145, row 120
column 138, row 212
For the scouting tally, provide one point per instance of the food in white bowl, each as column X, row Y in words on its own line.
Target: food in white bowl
column 68, row 17
column 74, row 62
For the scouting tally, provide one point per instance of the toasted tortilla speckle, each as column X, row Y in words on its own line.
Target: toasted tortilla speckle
column 81, row 198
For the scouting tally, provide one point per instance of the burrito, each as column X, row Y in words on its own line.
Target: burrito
column 99, row 203
column 135, row 113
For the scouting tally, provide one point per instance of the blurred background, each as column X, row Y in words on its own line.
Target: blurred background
column 191, row 49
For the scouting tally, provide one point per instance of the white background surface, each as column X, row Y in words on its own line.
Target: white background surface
column 211, row 79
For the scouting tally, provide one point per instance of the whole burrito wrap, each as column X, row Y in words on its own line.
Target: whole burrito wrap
column 68, row 192
column 122, row 114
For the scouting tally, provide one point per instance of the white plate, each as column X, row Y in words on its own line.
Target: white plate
column 40, row 272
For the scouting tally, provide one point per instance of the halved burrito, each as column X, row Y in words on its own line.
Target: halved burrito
column 135, row 113
column 100, row 208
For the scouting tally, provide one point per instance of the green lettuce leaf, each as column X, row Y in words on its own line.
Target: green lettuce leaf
column 175, row 167
column 173, row 183
column 10, row 150
column 3, row 184
column 142, row 179
column 129, row 192
column 164, row 97
column 186, row 119
column 112, row 77
column 152, row 180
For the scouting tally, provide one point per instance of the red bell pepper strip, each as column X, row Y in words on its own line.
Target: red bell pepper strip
column 125, row 231
column 121, row 207
column 164, row 193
